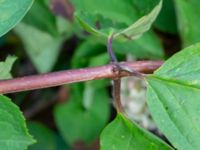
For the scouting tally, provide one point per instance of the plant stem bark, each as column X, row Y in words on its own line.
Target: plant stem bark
column 73, row 76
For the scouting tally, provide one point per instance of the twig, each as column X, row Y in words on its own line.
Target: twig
column 112, row 56
column 117, row 94
column 117, row 80
column 73, row 76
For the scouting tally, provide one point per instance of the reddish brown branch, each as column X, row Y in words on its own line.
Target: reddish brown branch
column 72, row 76
column 117, row 95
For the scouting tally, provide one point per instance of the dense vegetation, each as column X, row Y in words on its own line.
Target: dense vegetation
column 44, row 36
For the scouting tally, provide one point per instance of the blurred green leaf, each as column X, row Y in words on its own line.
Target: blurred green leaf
column 14, row 133
column 148, row 46
column 60, row 143
column 79, row 124
column 86, row 50
column 144, row 6
column 173, row 98
column 188, row 20
column 166, row 20
column 6, row 66
column 41, row 18
column 42, row 48
column 11, row 13
column 64, row 27
column 44, row 136
column 43, row 39
column 124, row 134
column 88, row 96
column 99, row 60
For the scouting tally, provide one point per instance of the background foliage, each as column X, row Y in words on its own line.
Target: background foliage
column 50, row 38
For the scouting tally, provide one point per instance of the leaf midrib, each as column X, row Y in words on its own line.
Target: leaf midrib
column 179, row 82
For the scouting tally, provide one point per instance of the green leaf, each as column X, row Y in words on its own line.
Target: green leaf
column 11, row 13
column 42, row 47
column 86, row 50
column 148, row 46
column 35, row 18
column 140, row 26
column 166, row 20
column 14, row 133
column 100, row 16
column 42, row 39
column 5, row 67
column 64, row 27
column 78, row 124
column 183, row 67
column 61, row 144
column 126, row 135
column 101, row 20
column 91, row 20
column 173, row 98
column 145, row 6
column 44, row 136
column 188, row 20
column 121, row 11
